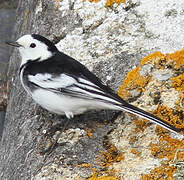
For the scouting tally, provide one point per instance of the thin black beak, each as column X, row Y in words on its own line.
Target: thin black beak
column 15, row 44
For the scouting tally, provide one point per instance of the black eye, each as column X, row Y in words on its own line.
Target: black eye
column 32, row 45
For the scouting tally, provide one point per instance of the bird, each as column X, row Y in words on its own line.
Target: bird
column 62, row 85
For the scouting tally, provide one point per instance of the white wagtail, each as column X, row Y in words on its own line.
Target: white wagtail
column 63, row 85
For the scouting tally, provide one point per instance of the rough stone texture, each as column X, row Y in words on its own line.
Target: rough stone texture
column 25, row 147
column 109, row 41
column 7, row 21
column 6, row 24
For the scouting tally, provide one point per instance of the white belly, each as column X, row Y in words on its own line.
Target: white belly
column 60, row 104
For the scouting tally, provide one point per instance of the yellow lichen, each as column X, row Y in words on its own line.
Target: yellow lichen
column 176, row 58
column 133, row 80
column 141, row 124
column 107, row 158
column 174, row 117
column 178, row 83
column 109, row 3
column 27, row 14
column 95, row 177
column 133, row 139
column 93, row 0
column 153, row 58
column 86, row 165
column 136, row 152
column 161, row 173
column 90, row 133
column 105, row 122
column 166, row 148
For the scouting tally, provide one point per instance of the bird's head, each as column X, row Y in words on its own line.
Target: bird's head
column 34, row 47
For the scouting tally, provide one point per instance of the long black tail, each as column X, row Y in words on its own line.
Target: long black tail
column 139, row 112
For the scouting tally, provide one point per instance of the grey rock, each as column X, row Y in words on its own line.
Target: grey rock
column 35, row 143
column 146, row 70
column 162, row 75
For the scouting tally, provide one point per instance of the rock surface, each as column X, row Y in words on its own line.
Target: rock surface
column 7, row 21
column 110, row 41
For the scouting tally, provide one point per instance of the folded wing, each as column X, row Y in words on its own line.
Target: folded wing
column 72, row 86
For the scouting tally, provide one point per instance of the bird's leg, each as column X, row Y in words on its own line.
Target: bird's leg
column 69, row 115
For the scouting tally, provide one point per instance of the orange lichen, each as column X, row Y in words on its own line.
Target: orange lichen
column 109, row 3
column 177, row 59
column 92, row 1
column 161, row 173
column 153, row 58
column 95, row 177
column 167, row 149
column 133, row 80
column 178, row 83
column 178, row 62
column 174, row 117
column 133, row 139
column 141, row 124
column 86, row 165
column 136, row 152
column 89, row 133
column 105, row 122
column 107, row 158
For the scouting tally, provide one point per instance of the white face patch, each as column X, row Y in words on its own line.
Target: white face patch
column 32, row 49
